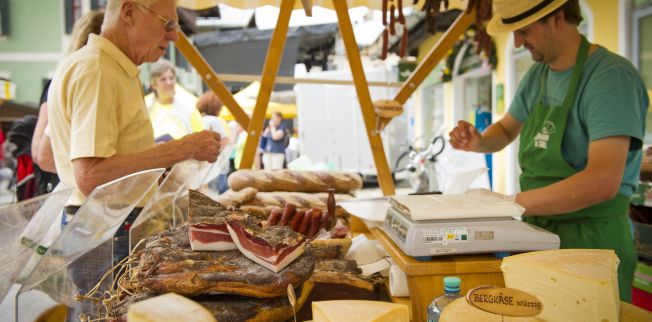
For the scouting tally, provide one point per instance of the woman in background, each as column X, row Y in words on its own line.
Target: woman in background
column 173, row 114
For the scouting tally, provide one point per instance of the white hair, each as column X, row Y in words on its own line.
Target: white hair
column 112, row 11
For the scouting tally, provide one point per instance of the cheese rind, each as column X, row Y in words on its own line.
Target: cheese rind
column 359, row 311
column 573, row 284
column 169, row 307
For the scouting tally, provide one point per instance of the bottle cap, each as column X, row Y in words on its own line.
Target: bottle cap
column 452, row 284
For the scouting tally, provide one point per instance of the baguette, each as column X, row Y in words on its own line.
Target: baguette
column 234, row 199
column 295, row 181
column 298, row 199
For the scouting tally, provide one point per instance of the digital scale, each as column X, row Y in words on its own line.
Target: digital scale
column 433, row 237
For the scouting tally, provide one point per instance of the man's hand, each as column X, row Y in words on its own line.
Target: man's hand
column 202, row 146
column 465, row 137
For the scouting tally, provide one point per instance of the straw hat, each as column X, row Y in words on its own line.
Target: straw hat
column 510, row 15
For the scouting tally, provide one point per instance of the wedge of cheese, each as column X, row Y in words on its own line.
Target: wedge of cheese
column 358, row 311
column 573, row 284
column 461, row 311
column 169, row 307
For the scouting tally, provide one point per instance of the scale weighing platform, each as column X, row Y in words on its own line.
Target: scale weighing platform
column 434, row 237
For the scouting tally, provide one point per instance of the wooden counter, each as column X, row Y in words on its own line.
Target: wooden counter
column 426, row 278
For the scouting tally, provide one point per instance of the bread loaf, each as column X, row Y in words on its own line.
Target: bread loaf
column 233, row 198
column 295, row 181
column 298, row 199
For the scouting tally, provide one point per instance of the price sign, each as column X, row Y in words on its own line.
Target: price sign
column 504, row 301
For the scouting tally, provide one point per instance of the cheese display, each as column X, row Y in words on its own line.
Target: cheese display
column 169, row 308
column 359, row 311
column 573, row 284
column 461, row 311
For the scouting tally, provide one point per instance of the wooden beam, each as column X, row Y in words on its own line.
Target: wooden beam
column 361, row 86
column 439, row 51
column 210, row 78
column 307, row 7
column 292, row 80
column 270, row 69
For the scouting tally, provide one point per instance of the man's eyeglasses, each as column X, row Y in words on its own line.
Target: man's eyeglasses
column 170, row 25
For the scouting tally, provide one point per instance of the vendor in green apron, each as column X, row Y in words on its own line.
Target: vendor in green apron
column 580, row 112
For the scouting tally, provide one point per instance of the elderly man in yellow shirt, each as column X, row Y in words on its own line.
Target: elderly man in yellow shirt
column 99, row 125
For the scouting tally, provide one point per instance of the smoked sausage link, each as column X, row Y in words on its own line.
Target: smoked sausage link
column 288, row 212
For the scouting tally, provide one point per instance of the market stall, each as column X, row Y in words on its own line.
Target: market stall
column 282, row 245
column 375, row 114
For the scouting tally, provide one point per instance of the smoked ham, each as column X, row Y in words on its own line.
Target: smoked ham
column 230, row 308
column 167, row 264
column 207, row 227
column 201, row 205
column 273, row 247
column 210, row 233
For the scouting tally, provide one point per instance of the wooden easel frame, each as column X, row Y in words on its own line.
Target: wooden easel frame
column 254, row 125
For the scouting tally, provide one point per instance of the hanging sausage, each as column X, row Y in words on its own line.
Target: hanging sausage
column 389, row 21
column 482, row 14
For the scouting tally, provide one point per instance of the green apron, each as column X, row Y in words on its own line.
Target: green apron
column 602, row 226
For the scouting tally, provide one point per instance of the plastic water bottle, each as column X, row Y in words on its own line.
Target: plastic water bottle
column 452, row 292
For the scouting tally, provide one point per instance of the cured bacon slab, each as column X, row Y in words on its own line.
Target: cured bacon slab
column 273, row 247
column 210, row 234
column 167, row 264
column 201, row 205
column 207, row 227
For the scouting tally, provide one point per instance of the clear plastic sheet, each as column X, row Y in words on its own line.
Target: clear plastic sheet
column 85, row 246
column 168, row 208
column 27, row 227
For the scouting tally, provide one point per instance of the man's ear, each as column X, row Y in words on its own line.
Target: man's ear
column 127, row 13
column 559, row 18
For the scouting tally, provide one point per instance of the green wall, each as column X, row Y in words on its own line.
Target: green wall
column 28, row 77
column 35, row 27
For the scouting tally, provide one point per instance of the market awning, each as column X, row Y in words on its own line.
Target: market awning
column 243, row 51
column 374, row 121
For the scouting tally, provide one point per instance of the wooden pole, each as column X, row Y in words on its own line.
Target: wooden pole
column 210, row 78
column 439, row 51
column 270, row 69
column 368, row 114
column 292, row 80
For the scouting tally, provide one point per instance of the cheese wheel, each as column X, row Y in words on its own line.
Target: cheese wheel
column 461, row 311
column 169, row 307
column 359, row 311
column 573, row 284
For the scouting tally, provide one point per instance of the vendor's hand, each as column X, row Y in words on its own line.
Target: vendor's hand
column 202, row 146
column 465, row 137
column 487, row 192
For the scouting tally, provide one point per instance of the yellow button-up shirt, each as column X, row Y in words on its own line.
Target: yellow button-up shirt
column 96, row 109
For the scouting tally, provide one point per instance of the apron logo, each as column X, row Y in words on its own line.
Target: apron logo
column 541, row 139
